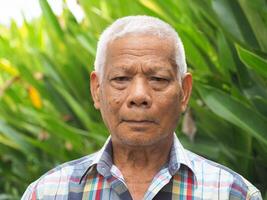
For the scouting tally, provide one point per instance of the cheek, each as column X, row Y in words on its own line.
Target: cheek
column 170, row 98
column 112, row 101
column 169, row 104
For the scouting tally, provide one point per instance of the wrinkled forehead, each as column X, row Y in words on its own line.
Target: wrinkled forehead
column 133, row 46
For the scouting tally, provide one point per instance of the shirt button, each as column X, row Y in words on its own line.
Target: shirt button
column 103, row 169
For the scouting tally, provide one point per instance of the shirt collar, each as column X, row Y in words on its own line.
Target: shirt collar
column 178, row 157
column 87, row 166
column 102, row 160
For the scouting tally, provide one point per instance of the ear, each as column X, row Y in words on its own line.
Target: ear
column 186, row 90
column 95, row 89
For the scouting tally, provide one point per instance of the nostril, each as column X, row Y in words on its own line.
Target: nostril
column 134, row 103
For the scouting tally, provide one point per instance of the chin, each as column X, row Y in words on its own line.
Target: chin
column 141, row 139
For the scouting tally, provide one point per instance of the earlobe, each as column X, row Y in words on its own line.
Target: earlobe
column 95, row 89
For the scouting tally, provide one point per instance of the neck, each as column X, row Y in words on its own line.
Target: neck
column 139, row 164
column 143, row 158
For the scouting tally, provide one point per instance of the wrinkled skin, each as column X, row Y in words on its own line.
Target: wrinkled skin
column 140, row 99
column 140, row 96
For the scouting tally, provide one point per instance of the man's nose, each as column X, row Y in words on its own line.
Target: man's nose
column 139, row 94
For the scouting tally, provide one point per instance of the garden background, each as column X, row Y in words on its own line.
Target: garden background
column 46, row 111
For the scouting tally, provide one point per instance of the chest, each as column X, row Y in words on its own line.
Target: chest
column 163, row 187
column 138, row 189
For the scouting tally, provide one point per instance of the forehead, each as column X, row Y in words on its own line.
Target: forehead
column 145, row 48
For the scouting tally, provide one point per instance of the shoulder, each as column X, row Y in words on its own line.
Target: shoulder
column 56, row 181
column 222, row 178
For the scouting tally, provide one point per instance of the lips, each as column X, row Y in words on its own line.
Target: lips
column 139, row 121
column 139, row 125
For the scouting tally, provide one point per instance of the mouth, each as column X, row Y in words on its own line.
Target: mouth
column 142, row 122
column 139, row 121
column 139, row 125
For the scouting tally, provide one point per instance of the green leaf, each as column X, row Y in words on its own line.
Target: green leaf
column 261, row 104
column 234, row 111
column 252, row 61
column 235, row 23
column 51, row 18
column 88, row 45
column 16, row 137
column 94, row 128
column 152, row 5
column 255, row 11
column 4, row 140
column 225, row 56
column 194, row 56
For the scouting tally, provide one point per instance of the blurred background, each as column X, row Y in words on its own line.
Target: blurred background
column 47, row 51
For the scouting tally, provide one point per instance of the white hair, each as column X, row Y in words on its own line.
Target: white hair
column 139, row 25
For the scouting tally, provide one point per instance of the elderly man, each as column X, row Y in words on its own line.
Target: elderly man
column 140, row 85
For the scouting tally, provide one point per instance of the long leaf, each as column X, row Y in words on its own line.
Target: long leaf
column 51, row 18
column 252, row 61
column 234, row 111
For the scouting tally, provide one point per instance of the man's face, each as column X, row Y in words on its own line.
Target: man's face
column 140, row 97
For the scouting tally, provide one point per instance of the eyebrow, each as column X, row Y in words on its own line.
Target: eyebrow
column 148, row 70
column 159, row 68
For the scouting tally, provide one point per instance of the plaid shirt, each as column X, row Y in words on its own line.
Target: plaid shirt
column 186, row 176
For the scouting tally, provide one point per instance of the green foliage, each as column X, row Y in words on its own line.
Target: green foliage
column 46, row 112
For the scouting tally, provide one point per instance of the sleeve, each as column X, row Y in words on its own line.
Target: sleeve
column 253, row 193
column 255, row 196
column 243, row 189
column 30, row 193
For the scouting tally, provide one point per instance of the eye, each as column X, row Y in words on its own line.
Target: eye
column 159, row 83
column 154, row 78
column 159, row 79
column 120, row 82
column 121, row 79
